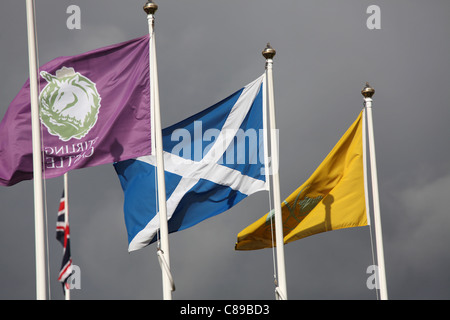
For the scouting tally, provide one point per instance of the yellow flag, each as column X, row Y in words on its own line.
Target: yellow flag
column 332, row 198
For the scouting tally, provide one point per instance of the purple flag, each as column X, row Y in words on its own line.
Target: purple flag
column 94, row 109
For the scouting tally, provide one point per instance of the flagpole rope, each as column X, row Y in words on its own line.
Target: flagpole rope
column 162, row 261
column 158, row 241
column 43, row 163
column 279, row 294
column 271, row 234
column 165, row 267
column 373, row 254
column 275, row 280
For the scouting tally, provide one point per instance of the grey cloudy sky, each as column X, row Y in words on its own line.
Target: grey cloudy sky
column 207, row 50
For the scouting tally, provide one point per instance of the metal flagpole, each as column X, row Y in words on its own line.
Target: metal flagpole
column 39, row 222
column 368, row 92
column 150, row 8
column 66, row 219
column 281, row 289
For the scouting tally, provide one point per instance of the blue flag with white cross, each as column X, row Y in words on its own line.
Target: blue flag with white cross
column 212, row 161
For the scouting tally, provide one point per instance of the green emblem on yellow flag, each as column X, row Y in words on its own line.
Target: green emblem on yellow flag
column 332, row 198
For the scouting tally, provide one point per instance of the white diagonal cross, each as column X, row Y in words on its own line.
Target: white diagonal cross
column 207, row 168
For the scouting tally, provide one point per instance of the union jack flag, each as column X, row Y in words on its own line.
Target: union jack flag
column 63, row 236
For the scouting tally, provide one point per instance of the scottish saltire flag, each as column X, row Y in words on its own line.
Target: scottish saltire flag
column 212, row 161
column 94, row 109
column 63, row 236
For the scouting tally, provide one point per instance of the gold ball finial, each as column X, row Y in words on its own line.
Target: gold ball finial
column 368, row 91
column 269, row 52
column 150, row 7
